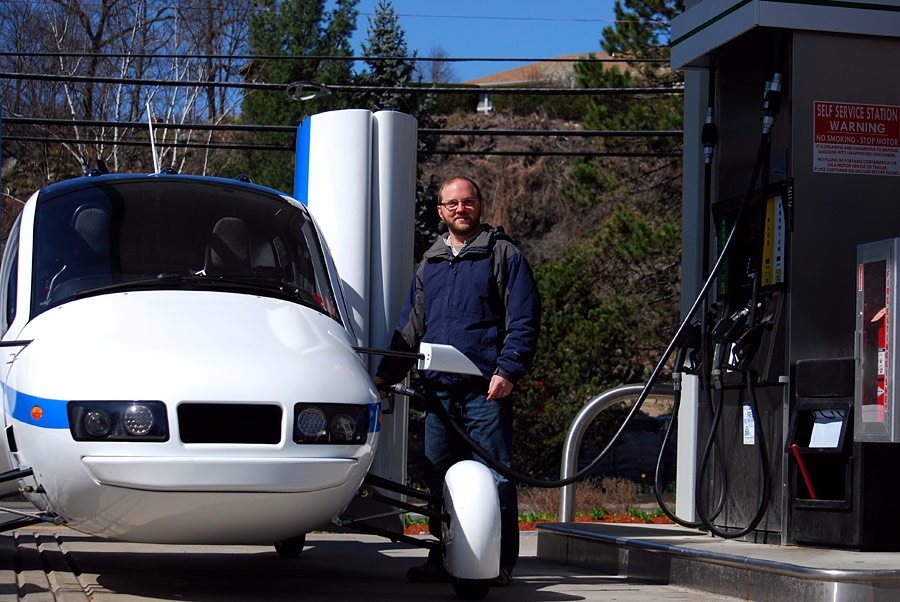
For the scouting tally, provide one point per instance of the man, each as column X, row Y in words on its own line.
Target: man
column 474, row 290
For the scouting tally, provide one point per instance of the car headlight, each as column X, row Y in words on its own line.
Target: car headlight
column 138, row 420
column 96, row 423
column 118, row 421
column 331, row 423
column 312, row 424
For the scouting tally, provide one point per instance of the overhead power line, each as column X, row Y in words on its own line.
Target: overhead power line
column 425, row 89
column 291, row 129
column 427, row 132
column 121, row 142
column 342, row 87
column 290, row 148
column 283, row 57
column 506, row 18
column 154, row 6
column 552, row 133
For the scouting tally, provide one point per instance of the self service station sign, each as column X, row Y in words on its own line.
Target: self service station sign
column 853, row 138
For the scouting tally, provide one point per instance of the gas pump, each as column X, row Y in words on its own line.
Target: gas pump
column 800, row 321
column 876, row 417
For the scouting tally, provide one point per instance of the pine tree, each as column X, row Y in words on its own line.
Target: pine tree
column 611, row 302
column 293, row 28
column 389, row 63
column 640, row 32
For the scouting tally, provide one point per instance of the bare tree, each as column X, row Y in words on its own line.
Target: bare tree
column 217, row 31
column 436, row 70
column 24, row 31
column 110, row 57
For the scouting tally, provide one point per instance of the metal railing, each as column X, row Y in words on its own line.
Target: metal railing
column 584, row 418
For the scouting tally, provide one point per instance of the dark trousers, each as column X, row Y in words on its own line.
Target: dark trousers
column 489, row 423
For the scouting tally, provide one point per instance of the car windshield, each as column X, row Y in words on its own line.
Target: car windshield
column 175, row 233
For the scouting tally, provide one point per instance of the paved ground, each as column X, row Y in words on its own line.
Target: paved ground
column 41, row 564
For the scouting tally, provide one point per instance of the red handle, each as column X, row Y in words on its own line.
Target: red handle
column 796, row 449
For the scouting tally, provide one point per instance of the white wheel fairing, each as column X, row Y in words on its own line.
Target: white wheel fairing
column 472, row 538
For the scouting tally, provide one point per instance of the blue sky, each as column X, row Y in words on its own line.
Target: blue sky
column 495, row 29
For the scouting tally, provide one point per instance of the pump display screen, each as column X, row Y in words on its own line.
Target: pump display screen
column 827, row 428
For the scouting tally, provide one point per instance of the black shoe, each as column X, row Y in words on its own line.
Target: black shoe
column 432, row 571
column 503, row 579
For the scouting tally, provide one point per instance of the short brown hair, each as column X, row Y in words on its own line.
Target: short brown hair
column 471, row 182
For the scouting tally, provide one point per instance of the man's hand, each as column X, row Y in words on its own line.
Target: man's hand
column 378, row 385
column 499, row 387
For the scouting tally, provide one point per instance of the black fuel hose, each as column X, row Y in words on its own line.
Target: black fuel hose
column 435, row 407
column 444, row 416
column 679, row 334
column 770, row 107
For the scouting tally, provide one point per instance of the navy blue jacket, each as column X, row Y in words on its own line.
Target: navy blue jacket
column 484, row 302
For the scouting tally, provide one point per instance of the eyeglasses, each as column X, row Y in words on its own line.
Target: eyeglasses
column 454, row 205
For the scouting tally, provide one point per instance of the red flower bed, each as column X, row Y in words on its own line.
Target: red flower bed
column 530, row 525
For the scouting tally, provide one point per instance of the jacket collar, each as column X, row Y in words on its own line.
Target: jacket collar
column 479, row 243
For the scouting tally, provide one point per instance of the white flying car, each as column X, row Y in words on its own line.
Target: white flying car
column 181, row 365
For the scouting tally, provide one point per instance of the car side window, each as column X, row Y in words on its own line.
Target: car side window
column 10, row 277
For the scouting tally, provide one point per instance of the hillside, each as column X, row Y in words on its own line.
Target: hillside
column 523, row 194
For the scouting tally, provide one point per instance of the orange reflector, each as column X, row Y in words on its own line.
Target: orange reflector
column 37, row 412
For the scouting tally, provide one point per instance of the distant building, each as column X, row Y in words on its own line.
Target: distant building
column 558, row 72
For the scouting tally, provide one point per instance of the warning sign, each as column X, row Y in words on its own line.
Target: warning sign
column 855, row 138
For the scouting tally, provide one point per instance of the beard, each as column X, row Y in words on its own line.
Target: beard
column 465, row 228
column 464, row 231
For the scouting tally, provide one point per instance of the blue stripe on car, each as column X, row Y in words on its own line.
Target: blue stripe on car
column 53, row 411
column 375, row 417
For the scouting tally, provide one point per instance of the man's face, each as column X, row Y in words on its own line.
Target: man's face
column 465, row 218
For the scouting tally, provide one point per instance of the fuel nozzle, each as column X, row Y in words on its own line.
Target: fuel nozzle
column 771, row 103
column 730, row 328
column 399, row 389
